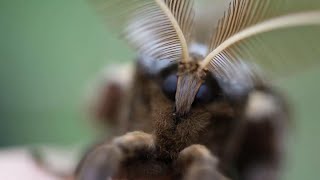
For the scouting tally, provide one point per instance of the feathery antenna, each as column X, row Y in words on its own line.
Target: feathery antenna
column 300, row 19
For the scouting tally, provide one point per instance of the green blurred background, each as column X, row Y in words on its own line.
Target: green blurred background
column 51, row 50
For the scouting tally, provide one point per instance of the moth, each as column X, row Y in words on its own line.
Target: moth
column 203, row 107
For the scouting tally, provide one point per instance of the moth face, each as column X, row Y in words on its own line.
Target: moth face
column 208, row 92
column 209, row 102
column 165, row 76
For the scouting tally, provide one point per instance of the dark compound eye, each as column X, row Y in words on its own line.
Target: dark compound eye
column 204, row 95
column 208, row 91
column 169, row 86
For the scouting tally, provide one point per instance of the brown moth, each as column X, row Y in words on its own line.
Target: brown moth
column 202, row 109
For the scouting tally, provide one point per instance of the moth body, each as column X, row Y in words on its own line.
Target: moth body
column 202, row 108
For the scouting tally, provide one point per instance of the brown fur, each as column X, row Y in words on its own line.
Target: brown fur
column 221, row 127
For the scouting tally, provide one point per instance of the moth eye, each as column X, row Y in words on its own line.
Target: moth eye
column 169, row 86
column 204, row 95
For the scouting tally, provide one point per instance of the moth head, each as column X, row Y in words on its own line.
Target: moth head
column 181, row 86
column 203, row 106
